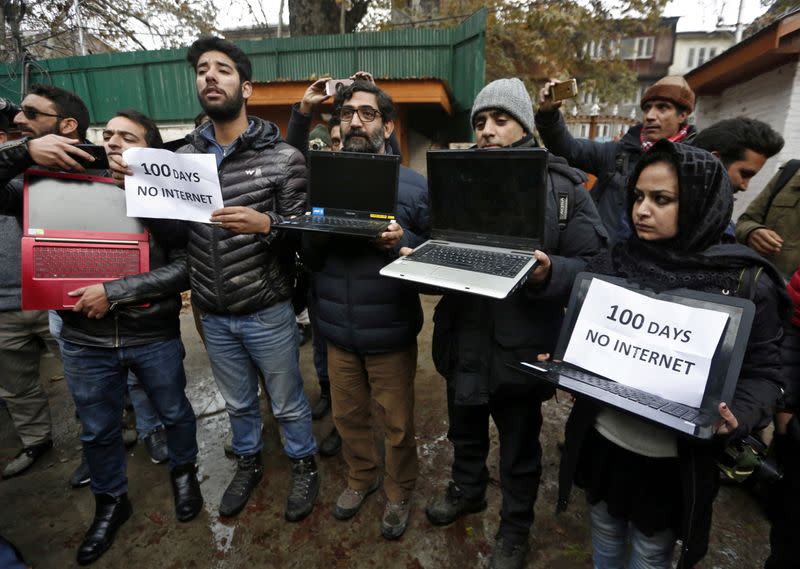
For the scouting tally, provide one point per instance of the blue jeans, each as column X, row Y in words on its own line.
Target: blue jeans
column 237, row 345
column 97, row 378
column 610, row 538
column 147, row 419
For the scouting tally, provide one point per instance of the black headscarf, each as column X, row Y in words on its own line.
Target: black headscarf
column 693, row 258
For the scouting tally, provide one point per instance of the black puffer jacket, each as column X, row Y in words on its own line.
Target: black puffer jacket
column 234, row 273
column 611, row 162
column 357, row 309
column 474, row 337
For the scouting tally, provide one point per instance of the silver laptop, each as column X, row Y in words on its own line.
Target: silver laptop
column 487, row 211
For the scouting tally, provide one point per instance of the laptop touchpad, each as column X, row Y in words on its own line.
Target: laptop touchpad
column 468, row 278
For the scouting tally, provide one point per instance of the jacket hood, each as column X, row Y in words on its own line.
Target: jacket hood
column 560, row 165
column 262, row 134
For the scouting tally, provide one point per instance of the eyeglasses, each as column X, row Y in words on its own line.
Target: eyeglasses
column 365, row 113
column 30, row 113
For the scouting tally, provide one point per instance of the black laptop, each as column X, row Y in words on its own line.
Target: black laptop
column 349, row 193
column 488, row 211
column 720, row 385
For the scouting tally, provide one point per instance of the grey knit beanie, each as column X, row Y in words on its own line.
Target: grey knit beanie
column 509, row 95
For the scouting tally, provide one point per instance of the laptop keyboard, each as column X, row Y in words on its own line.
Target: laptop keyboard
column 630, row 393
column 476, row 260
column 339, row 222
column 84, row 262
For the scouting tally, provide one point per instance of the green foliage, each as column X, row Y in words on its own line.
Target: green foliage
column 540, row 39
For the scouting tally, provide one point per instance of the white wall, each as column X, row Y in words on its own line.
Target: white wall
column 680, row 56
column 772, row 97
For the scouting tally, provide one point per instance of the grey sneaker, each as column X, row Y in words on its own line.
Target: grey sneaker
column 25, row 459
column 129, row 437
column 350, row 501
column 395, row 519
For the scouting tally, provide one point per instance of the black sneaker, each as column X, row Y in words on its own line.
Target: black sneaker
column 81, row 476
column 452, row 505
column 305, row 488
column 156, row 445
column 248, row 474
column 323, row 405
column 331, row 445
column 509, row 554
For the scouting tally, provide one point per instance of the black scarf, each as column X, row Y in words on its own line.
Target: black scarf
column 692, row 259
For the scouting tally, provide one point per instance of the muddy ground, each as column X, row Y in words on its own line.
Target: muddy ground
column 46, row 518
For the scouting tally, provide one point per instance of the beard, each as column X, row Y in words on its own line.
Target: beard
column 225, row 111
column 362, row 141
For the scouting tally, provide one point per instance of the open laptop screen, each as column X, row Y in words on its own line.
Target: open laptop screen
column 68, row 204
column 345, row 182
column 500, row 192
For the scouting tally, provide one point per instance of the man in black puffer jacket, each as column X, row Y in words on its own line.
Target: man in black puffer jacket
column 371, row 324
column 475, row 337
column 240, row 272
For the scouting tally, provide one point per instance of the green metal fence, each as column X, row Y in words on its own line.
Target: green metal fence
column 161, row 83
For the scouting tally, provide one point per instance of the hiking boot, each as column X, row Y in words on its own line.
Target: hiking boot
column 81, row 476
column 248, row 473
column 305, row 488
column 508, row 554
column 395, row 519
column 331, row 445
column 349, row 502
column 110, row 513
column 156, row 445
column 446, row 509
column 25, row 459
column 322, row 406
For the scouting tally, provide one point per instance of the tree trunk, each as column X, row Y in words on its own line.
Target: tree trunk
column 317, row 17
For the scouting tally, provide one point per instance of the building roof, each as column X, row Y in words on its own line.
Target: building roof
column 775, row 45
column 161, row 84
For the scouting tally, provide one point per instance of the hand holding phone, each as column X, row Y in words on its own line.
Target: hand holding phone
column 333, row 86
column 564, row 90
column 99, row 155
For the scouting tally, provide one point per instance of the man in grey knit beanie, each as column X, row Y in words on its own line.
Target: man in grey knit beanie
column 509, row 96
column 474, row 339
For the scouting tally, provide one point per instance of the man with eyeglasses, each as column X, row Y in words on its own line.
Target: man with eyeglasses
column 371, row 324
column 51, row 121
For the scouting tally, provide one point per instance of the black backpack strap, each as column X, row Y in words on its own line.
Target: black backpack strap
column 565, row 193
column 789, row 169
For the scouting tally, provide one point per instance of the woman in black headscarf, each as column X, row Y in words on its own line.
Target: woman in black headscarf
column 646, row 487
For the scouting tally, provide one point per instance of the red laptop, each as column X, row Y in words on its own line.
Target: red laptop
column 75, row 233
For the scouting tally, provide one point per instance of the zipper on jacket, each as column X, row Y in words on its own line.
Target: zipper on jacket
column 116, row 330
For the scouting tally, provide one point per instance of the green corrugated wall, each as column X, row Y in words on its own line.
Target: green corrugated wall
column 161, row 83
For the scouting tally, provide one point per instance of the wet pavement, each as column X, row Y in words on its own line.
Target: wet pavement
column 46, row 518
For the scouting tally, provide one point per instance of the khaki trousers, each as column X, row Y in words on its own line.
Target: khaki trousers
column 24, row 336
column 387, row 380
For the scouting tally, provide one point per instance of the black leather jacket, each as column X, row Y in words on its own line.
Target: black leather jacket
column 145, row 307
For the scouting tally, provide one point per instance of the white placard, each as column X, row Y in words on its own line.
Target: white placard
column 661, row 347
column 171, row 186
